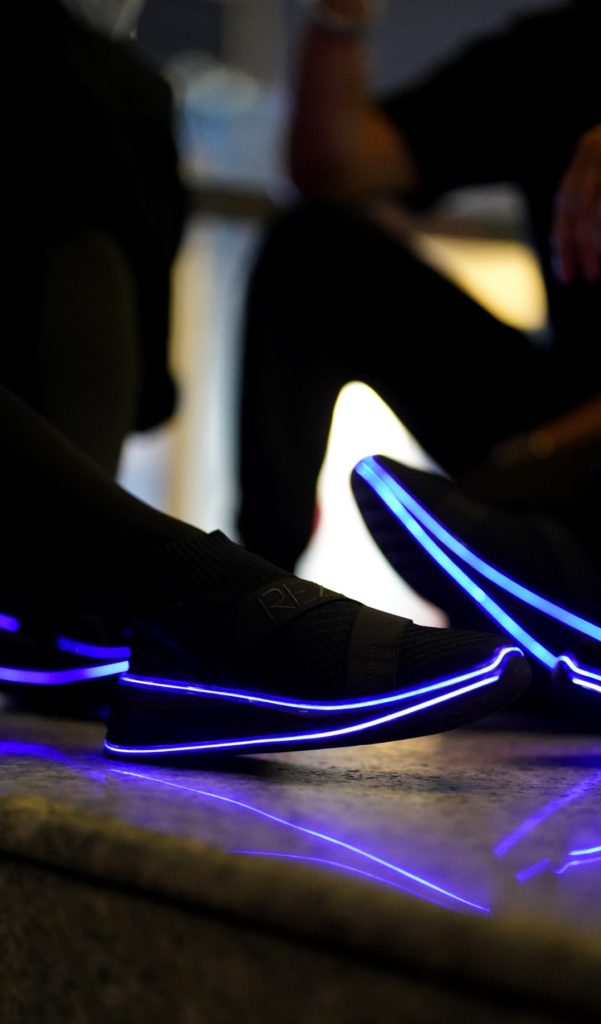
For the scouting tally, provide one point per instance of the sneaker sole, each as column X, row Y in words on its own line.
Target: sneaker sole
column 158, row 718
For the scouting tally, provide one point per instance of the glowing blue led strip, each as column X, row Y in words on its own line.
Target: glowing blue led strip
column 326, row 861
column 586, row 685
column 370, row 468
column 85, row 650
column 148, row 682
column 60, row 677
column 580, row 676
column 340, row 843
column 579, row 670
column 9, row 623
column 295, row 738
column 494, row 610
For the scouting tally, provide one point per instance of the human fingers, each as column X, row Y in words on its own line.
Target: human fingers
column 577, row 220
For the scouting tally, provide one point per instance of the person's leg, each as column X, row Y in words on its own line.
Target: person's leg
column 67, row 527
column 334, row 298
column 77, row 359
column 88, row 349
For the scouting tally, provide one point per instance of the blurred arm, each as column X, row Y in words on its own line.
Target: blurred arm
column 577, row 226
column 341, row 144
column 580, row 426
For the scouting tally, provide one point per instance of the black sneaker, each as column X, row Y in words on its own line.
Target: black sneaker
column 524, row 573
column 578, row 689
column 50, row 661
column 288, row 665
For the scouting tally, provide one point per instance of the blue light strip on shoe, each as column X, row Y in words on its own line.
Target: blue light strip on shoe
column 306, row 859
column 149, row 682
column 579, row 670
column 85, row 650
column 581, row 676
column 370, row 469
column 586, row 685
column 494, row 610
column 295, row 738
column 60, row 677
column 9, row 623
column 314, row 834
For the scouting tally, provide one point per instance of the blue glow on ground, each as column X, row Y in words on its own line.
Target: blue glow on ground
column 585, row 853
column 323, row 836
column 546, row 812
column 577, row 863
column 347, row 869
column 533, row 870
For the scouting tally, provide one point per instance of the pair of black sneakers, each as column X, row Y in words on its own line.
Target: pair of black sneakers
column 258, row 661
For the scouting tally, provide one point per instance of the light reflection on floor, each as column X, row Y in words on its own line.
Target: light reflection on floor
column 478, row 821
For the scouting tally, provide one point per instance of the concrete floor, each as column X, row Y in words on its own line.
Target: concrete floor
column 498, row 827
column 480, row 820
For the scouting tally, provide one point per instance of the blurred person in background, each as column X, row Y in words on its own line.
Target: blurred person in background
column 337, row 294
column 100, row 214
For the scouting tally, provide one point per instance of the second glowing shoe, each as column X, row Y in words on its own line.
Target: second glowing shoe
column 66, row 667
column 523, row 574
column 293, row 666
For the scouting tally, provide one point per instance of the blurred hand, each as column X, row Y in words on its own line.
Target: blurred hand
column 577, row 223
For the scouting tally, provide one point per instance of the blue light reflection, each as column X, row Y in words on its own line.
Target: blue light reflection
column 426, row 889
column 545, row 812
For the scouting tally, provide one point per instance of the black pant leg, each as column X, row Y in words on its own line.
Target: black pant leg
column 334, row 298
column 76, row 358
column 68, row 529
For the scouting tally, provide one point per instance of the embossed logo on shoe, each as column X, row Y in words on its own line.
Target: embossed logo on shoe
column 282, row 601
